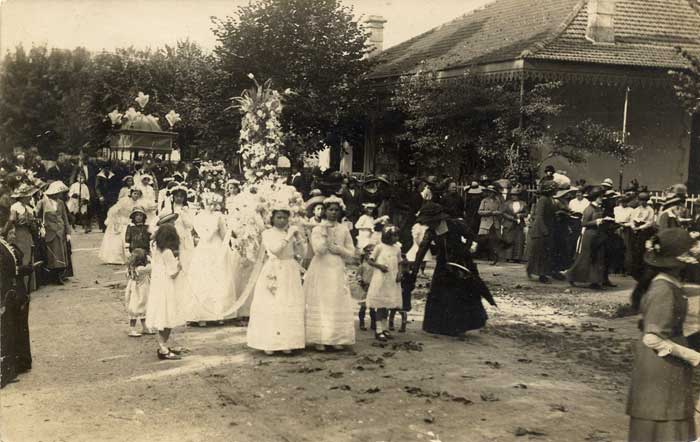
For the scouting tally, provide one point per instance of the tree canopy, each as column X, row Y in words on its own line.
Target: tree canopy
column 316, row 48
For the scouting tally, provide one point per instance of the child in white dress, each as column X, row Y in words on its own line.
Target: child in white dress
column 329, row 305
column 277, row 313
column 169, row 297
column 384, row 291
column 211, row 279
column 365, row 225
column 136, row 293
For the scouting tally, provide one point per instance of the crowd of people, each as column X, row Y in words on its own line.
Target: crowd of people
column 360, row 248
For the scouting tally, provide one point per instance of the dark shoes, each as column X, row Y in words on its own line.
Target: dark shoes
column 545, row 280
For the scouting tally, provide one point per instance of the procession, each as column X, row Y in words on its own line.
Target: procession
column 215, row 246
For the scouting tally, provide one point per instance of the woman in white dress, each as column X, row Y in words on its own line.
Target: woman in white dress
column 329, row 306
column 277, row 313
column 210, row 277
column 183, row 224
column 118, row 218
column 169, row 297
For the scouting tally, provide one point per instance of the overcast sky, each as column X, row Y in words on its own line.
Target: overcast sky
column 108, row 24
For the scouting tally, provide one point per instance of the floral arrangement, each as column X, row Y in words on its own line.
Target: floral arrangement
column 131, row 117
column 261, row 134
column 252, row 212
column 213, row 177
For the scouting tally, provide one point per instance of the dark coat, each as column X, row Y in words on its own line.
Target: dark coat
column 540, row 239
column 108, row 188
column 454, row 303
column 353, row 207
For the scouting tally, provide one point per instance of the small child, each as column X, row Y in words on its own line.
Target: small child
column 136, row 293
column 384, row 291
column 366, row 223
column 138, row 233
column 366, row 271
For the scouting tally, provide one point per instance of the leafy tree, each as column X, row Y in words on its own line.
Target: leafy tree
column 41, row 97
column 687, row 83
column 483, row 128
column 317, row 49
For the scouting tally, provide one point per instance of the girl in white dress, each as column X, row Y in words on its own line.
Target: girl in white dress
column 118, row 218
column 277, row 313
column 183, row 224
column 136, row 292
column 384, row 291
column 210, row 277
column 169, row 297
column 329, row 306
column 365, row 225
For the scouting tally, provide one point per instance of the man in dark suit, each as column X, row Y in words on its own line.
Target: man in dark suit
column 89, row 174
column 60, row 171
column 107, row 186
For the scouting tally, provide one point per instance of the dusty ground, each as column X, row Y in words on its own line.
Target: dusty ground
column 550, row 366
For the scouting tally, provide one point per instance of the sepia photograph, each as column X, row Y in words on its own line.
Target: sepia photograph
column 349, row 220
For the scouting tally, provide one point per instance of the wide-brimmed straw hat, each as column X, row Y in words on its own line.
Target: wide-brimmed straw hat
column 669, row 249
column 474, row 189
column 431, row 213
column 137, row 209
column 334, row 200
column 607, row 182
column 146, row 177
column 169, row 218
column 490, row 188
column 55, row 188
column 314, row 201
column 24, row 190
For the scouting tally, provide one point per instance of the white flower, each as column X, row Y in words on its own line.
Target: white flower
column 142, row 99
column 115, row 116
column 172, row 118
column 251, row 76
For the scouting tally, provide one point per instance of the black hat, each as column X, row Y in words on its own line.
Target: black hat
column 549, row 168
column 431, row 213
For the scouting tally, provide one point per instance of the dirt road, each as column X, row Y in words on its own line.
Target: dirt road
column 550, row 366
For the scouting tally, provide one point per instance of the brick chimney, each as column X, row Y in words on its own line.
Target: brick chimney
column 375, row 25
column 601, row 21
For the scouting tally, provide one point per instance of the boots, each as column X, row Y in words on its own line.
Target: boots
column 392, row 315
column 404, row 319
column 361, row 316
column 373, row 319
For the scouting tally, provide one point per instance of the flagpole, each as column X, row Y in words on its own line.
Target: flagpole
column 624, row 126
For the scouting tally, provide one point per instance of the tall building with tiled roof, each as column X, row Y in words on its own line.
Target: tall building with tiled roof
column 598, row 48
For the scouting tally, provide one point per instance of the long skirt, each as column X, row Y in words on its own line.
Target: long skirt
column 634, row 256
column 57, row 253
column 277, row 315
column 330, row 318
column 642, row 430
column 513, row 243
column 590, row 265
column 539, row 256
column 25, row 243
column 454, row 305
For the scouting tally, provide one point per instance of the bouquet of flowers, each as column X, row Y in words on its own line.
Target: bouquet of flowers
column 213, row 177
column 253, row 209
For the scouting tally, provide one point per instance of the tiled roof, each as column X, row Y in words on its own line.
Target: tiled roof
column 646, row 33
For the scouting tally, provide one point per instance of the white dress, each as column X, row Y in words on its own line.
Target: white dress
column 384, row 291
column 365, row 228
column 277, row 313
column 136, row 293
column 169, row 297
column 112, row 249
column 330, row 317
column 211, row 278
column 184, row 225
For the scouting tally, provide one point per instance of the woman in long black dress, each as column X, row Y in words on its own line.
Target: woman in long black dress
column 15, row 352
column 454, row 303
column 591, row 263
